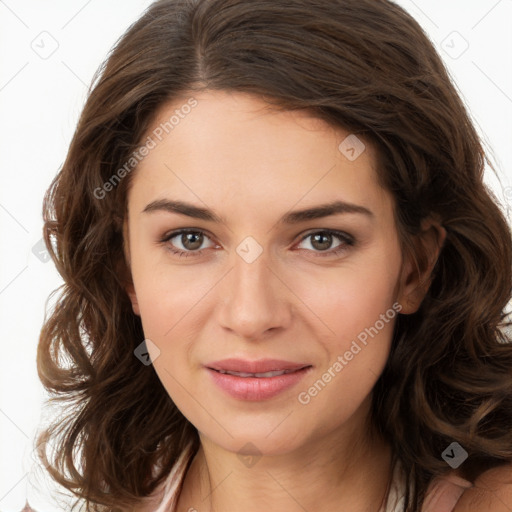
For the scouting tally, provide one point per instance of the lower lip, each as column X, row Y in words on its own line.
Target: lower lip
column 256, row 388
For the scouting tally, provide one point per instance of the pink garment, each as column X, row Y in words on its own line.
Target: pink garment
column 174, row 482
column 442, row 494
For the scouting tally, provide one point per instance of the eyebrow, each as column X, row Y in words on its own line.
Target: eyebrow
column 295, row 217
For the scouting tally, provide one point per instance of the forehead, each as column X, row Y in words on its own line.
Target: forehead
column 234, row 147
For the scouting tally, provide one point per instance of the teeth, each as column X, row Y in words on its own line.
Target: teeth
column 265, row 374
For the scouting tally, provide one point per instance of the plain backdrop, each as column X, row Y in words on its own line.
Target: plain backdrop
column 48, row 54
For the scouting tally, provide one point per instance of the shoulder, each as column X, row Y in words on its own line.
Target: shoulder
column 492, row 492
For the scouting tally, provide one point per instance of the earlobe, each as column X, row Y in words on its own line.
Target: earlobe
column 130, row 290
column 416, row 276
column 126, row 272
column 125, row 276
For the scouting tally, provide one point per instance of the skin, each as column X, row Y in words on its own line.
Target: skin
column 297, row 301
column 492, row 492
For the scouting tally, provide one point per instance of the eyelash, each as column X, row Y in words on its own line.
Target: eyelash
column 348, row 241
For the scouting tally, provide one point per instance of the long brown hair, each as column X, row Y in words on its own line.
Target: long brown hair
column 363, row 65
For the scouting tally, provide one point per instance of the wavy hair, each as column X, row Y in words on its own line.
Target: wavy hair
column 362, row 65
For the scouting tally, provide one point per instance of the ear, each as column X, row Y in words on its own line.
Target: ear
column 125, row 271
column 416, row 275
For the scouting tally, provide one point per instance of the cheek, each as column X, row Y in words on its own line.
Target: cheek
column 173, row 303
column 357, row 304
column 167, row 316
column 165, row 292
column 352, row 297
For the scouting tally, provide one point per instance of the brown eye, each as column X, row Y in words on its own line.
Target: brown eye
column 186, row 242
column 322, row 241
column 191, row 241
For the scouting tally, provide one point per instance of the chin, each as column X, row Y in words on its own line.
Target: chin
column 257, row 442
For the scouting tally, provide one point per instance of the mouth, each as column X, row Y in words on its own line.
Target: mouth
column 247, row 368
column 256, row 380
column 261, row 375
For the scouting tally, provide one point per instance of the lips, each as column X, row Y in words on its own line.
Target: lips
column 256, row 380
column 258, row 374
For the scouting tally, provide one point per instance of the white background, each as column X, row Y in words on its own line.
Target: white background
column 40, row 100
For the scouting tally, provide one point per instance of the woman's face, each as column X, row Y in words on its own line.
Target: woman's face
column 255, row 277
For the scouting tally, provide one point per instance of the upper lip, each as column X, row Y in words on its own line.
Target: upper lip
column 261, row 366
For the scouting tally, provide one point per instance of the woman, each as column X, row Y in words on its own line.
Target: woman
column 285, row 280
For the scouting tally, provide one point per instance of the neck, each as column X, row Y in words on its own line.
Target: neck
column 336, row 472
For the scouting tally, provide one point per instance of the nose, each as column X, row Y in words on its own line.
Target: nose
column 254, row 299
